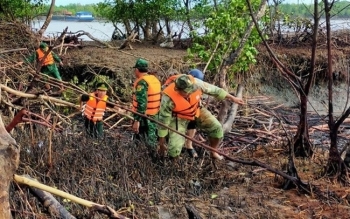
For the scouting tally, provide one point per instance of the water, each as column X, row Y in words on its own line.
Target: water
column 103, row 30
column 99, row 30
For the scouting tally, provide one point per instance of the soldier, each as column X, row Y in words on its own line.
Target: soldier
column 191, row 128
column 94, row 109
column 48, row 65
column 146, row 101
column 180, row 104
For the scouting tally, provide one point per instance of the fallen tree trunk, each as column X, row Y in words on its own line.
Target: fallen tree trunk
column 48, row 201
column 227, row 126
column 94, row 206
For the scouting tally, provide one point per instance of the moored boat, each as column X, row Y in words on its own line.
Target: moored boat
column 81, row 16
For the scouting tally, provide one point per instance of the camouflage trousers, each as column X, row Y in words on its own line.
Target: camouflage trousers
column 148, row 134
column 52, row 71
column 94, row 130
column 206, row 122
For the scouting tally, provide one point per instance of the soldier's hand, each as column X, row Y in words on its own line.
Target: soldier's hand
column 236, row 99
column 136, row 126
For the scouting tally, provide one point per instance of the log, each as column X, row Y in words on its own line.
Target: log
column 48, row 201
column 227, row 126
column 94, row 206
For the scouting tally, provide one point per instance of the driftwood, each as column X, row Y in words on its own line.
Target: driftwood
column 94, row 206
column 127, row 42
column 48, row 201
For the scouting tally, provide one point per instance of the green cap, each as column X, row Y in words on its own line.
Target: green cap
column 184, row 83
column 43, row 45
column 141, row 64
column 101, row 86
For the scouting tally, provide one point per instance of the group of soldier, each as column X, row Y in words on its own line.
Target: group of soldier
column 177, row 104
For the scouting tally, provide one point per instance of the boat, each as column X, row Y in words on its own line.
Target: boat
column 80, row 16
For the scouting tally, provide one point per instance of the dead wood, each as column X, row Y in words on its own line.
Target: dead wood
column 94, row 206
column 127, row 42
column 13, row 50
column 227, row 126
column 48, row 201
column 81, row 32
column 192, row 212
column 39, row 97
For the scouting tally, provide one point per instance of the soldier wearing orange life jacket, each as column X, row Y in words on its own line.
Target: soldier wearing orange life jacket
column 146, row 101
column 48, row 65
column 191, row 128
column 93, row 110
column 180, row 104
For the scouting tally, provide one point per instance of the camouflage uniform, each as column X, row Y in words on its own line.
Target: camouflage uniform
column 206, row 121
column 148, row 129
column 50, row 70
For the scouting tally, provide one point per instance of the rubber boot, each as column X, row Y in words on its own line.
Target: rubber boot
column 214, row 143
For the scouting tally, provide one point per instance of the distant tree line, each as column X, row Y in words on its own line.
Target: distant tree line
column 341, row 9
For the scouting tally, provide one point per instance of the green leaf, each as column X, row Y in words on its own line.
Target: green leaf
column 213, row 196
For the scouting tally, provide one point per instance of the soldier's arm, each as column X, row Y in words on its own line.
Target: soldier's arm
column 211, row 90
column 56, row 57
column 141, row 98
column 31, row 58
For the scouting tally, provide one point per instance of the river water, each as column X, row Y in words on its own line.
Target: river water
column 99, row 29
column 103, row 30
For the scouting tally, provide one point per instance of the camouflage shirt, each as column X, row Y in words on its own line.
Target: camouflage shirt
column 167, row 105
column 140, row 93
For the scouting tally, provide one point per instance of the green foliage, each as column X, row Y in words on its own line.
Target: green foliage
column 73, row 8
column 23, row 10
column 225, row 28
column 138, row 11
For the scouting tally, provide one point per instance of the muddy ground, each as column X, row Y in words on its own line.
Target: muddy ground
column 118, row 172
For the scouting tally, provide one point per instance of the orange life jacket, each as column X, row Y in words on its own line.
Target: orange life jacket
column 48, row 59
column 153, row 94
column 170, row 80
column 94, row 108
column 185, row 108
